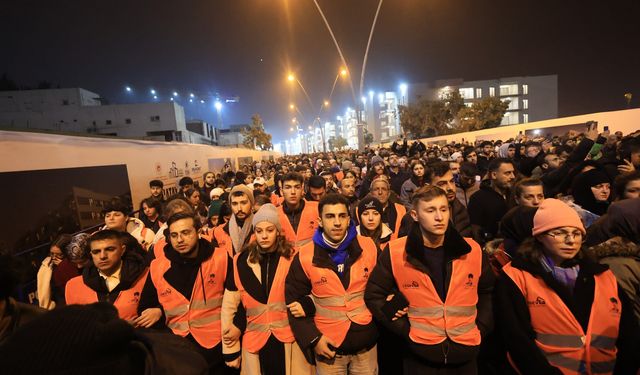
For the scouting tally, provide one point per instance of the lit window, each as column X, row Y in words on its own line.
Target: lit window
column 525, row 103
column 478, row 93
column 525, row 89
column 466, row 93
column 492, row 91
column 525, row 118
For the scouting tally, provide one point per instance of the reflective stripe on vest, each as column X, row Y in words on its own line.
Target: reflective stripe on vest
column 431, row 319
column 560, row 336
column 336, row 307
column 77, row 292
column 201, row 315
column 263, row 320
column 306, row 227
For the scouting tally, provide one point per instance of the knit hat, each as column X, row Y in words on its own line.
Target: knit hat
column 346, row 165
column 244, row 189
column 376, row 159
column 258, row 181
column 214, row 208
column 77, row 248
column 554, row 213
column 456, row 155
column 369, row 203
column 268, row 213
column 216, row 191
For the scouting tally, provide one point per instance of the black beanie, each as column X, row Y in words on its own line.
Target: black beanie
column 369, row 203
column 71, row 340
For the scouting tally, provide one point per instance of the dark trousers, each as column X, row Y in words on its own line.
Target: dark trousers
column 214, row 359
column 414, row 365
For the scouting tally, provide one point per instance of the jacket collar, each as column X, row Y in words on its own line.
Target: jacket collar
column 454, row 246
column 289, row 211
column 205, row 250
column 132, row 267
column 322, row 259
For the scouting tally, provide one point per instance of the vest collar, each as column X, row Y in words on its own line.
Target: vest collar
column 132, row 267
column 205, row 251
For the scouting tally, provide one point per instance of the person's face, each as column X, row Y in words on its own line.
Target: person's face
column 248, row 180
column 561, row 244
column 317, row 193
column 359, row 159
column 504, row 176
column 328, row 179
column 402, row 162
column 379, row 168
column 472, row 158
column 601, row 191
column 531, row 196
column 195, row 198
column 56, row 254
column 635, row 159
column 183, row 236
column 455, row 167
column 553, row 161
column 446, row 183
column 431, row 155
column 393, row 160
column 418, row 170
column 356, row 171
column 307, row 173
column 445, row 151
column 156, row 191
column 632, row 190
column 532, row 151
column 433, row 216
column 213, row 220
column 259, row 188
column 209, row 179
column 266, row 234
column 107, row 255
column 187, row 187
column 348, row 187
column 511, row 152
column 570, row 143
column 487, row 149
column 292, row 191
column 149, row 212
column 334, row 221
column 116, row 220
column 564, row 156
column 380, row 190
column 241, row 206
column 215, row 197
column 370, row 218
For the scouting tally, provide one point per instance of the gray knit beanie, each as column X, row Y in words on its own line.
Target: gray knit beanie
column 244, row 189
column 268, row 213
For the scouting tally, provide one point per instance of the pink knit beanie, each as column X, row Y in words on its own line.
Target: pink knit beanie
column 553, row 213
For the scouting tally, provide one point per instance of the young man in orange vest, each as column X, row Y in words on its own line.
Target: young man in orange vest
column 324, row 291
column 444, row 284
column 393, row 212
column 116, row 276
column 236, row 233
column 298, row 217
column 186, row 285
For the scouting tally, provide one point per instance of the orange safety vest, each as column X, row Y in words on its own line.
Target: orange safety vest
column 77, row 292
column 224, row 240
column 306, row 227
column 400, row 212
column 199, row 316
column 336, row 307
column 431, row 319
column 265, row 319
column 276, row 200
column 158, row 247
column 560, row 336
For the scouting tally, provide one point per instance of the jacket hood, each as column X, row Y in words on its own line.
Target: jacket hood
column 615, row 247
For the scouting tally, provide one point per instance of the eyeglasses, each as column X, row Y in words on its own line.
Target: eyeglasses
column 563, row 236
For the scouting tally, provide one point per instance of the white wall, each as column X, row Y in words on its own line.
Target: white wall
column 145, row 160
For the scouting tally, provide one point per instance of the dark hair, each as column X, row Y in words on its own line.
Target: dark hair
column 105, row 234
column 156, row 183
column 300, row 168
column 629, row 146
column 261, row 199
column 179, row 216
column 151, row 202
column 219, row 182
column 468, row 169
column 185, row 181
column 225, row 210
column 621, row 182
column 316, row 182
column 332, row 199
column 486, row 143
column 293, row 176
column 118, row 206
column 61, row 242
column 437, row 169
column 175, row 204
column 190, row 192
column 496, row 163
column 426, row 193
column 525, row 182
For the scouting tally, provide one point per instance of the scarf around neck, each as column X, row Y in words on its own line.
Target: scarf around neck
column 566, row 276
column 239, row 234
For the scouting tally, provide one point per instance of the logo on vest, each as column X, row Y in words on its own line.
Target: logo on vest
column 136, row 297
column 412, row 285
column 539, row 301
column 211, row 280
column 469, row 283
column 366, row 273
column 322, row 281
column 165, row 292
column 614, row 307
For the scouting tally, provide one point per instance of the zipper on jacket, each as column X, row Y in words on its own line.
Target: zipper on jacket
column 267, row 278
column 445, row 353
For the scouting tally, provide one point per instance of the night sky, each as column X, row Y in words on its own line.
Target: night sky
column 246, row 48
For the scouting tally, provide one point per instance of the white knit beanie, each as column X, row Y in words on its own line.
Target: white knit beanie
column 268, row 213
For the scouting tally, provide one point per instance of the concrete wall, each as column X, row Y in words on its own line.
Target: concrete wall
column 626, row 121
column 145, row 160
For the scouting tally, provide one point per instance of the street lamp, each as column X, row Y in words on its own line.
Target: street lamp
column 128, row 89
column 175, row 94
column 403, row 92
column 152, row 91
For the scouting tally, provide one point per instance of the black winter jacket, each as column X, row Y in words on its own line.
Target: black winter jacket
column 514, row 320
column 382, row 284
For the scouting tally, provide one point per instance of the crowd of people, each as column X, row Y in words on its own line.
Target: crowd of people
column 515, row 256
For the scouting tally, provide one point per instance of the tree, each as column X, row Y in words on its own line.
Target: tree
column 483, row 114
column 431, row 117
column 339, row 142
column 255, row 136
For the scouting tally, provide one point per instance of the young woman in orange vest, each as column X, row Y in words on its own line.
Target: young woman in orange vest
column 186, row 286
column 116, row 276
column 327, row 278
column 370, row 217
column 433, row 288
column 257, row 286
column 560, row 312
